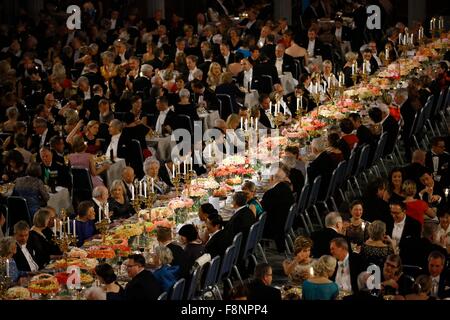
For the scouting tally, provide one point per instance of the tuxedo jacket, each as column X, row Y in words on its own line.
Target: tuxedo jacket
column 258, row 291
column 356, row 267
column 63, row 179
column 241, row 221
column 218, row 244
column 143, row 286
column 220, row 59
column 444, row 160
column 264, row 119
column 321, row 241
column 411, row 230
column 390, row 125
column 127, row 190
column 265, row 68
column 346, row 33
column 143, row 85
column 21, row 261
column 288, row 64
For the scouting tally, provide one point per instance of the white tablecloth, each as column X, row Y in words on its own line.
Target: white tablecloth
column 288, row 82
column 115, row 171
column 251, row 99
column 60, row 200
column 208, row 119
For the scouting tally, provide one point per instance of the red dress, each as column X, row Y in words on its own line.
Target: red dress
column 416, row 209
column 351, row 140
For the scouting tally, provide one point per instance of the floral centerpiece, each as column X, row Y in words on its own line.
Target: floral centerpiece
column 101, row 252
column 204, row 183
column 128, row 230
column 84, row 263
column 181, row 206
column 44, row 283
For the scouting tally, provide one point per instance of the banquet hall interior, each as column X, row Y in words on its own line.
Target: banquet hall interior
column 255, row 150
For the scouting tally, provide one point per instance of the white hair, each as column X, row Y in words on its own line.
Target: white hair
column 95, row 293
column 148, row 162
column 146, row 68
column 332, row 218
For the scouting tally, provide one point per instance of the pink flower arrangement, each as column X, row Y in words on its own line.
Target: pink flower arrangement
column 164, row 223
column 178, row 203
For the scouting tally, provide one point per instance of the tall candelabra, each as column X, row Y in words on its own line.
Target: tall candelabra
column 176, row 180
column 65, row 238
column 146, row 197
column 332, row 90
column 103, row 226
column 5, row 279
column 187, row 180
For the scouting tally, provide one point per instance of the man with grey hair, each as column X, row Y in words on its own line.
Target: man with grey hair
column 116, row 147
column 100, row 197
column 143, row 82
column 283, row 62
column 24, row 257
column 322, row 238
column 84, row 88
column 323, row 165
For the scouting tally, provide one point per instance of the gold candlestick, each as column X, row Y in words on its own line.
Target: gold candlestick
column 103, row 226
column 176, row 182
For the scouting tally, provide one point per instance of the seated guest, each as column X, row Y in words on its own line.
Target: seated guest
column 439, row 276
column 49, row 165
column 82, row 159
column 356, row 231
column 249, row 189
column 348, row 136
column 443, row 235
column 395, row 182
column 294, row 153
column 89, row 135
column 164, row 237
column 321, row 239
column 8, row 249
column 319, row 286
column 432, row 191
column 219, row 239
column 100, row 196
column 260, row 288
column 186, row 107
column 119, row 204
column 143, row 285
column 38, row 242
column 24, row 256
column 128, row 177
column 413, row 170
column 375, row 250
column 166, row 274
column 298, row 269
column 421, row 289
column 193, row 247
column 416, row 208
column 85, row 222
column 295, row 176
column 363, row 133
column 322, row 165
column 105, row 273
column 394, row 281
column 32, row 188
column 375, row 206
column 349, row 265
column 438, row 160
column 277, row 201
column 14, row 166
column 48, row 231
column 333, row 149
column 151, row 170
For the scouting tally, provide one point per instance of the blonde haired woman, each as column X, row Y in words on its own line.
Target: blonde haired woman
column 108, row 70
column 88, row 134
column 214, row 75
column 119, row 204
column 319, row 286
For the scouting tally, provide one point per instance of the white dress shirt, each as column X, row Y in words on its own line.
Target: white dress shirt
column 191, row 74
column 87, row 94
column 279, row 65
column 248, row 76
column 444, row 234
column 43, row 137
column 398, row 230
column 113, row 145
column 161, row 118
column 33, row 265
column 311, row 45
column 435, row 286
column 338, row 34
column 226, row 58
column 343, row 279
column 113, row 24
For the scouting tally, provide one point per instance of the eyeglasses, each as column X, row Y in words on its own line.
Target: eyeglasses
column 131, row 265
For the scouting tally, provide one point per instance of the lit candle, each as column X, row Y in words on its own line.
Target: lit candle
column 317, row 87
column 145, row 189
column 329, row 81
column 132, row 192
column 191, row 161
column 256, row 124
column 284, row 109
column 441, row 23
column 412, row 39
column 153, row 185
column 100, row 213
column 298, row 103
column 311, row 271
column 301, row 102
column 387, row 53
column 364, row 67
column 54, row 226
column 7, row 267
column 252, row 125
column 184, row 167
column 242, row 123
column 68, row 225
column 353, row 69
column 60, row 229
column 107, row 209
column 178, row 167
column 400, row 39
column 446, row 193
column 246, row 124
column 270, row 108
column 173, row 170
column 73, row 229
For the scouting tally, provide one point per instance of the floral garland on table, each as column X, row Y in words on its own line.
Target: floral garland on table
column 44, row 283
column 180, row 203
column 204, row 183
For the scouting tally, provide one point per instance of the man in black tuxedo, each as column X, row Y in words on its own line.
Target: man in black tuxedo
column 349, row 265
column 42, row 135
column 322, row 238
column 439, row 276
column 128, row 177
column 159, row 61
column 437, row 160
column 143, row 284
column 219, row 239
column 157, row 20
column 363, row 133
column 322, row 165
column 341, row 32
column 204, row 94
column 49, row 165
column 242, row 219
column 164, row 121
column 100, row 197
column 403, row 228
column 283, row 62
column 204, row 66
column 265, row 67
column 413, row 170
column 250, row 25
column 143, row 82
column 389, row 124
column 264, row 109
column 416, row 251
column 260, row 288
column 245, row 78
column 24, row 257
column 369, row 62
column 314, row 46
column 269, row 47
column 164, row 237
column 226, row 56
column 180, row 47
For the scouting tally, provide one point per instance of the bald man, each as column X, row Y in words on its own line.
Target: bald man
column 128, row 177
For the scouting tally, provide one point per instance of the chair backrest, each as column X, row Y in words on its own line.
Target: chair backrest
column 266, row 84
column 290, row 219
column 363, row 159
column 262, row 222
column 252, row 238
column 332, row 184
column 380, row 147
column 428, row 107
column 440, row 101
column 211, row 275
column 178, row 289
column 350, row 164
column 17, row 210
column 227, row 105
column 303, row 198
column 163, row 296
column 237, row 241
column 184, row 121
column 314, row 192
column 411, row 270
column 227, row 262
column 446, row 101
column 137, row 158
column 195, row 279
column 82, row 183
column 341, row 170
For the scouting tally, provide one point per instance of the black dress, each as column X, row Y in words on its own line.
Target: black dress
column 42, row 248
column 120, row 210
column 193, row 251
column 114, row 296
